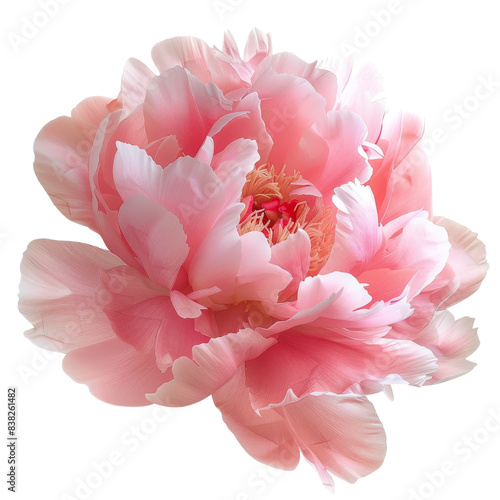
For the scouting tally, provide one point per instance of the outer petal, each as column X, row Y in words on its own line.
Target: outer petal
column 451, row 342
column 340, row 435
column 467, row 259
column 115, row 372
column 58, row 296
column 307, row 364
column 336, row 434
column 212, row 365
column 62, row 151
column 135, row 81
column 193, row 54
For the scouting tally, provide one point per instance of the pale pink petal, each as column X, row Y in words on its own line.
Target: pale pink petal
column 57, row 294
column 467, row 259
column 339, row 435
column 214, row 264
column 232, row 165
column 247, row 123
column 211, row 366
column 411, row 190
column 135, row 81
column 451, row 342
column 156, row 237
column 421, row 246
column 290, row 105
column 186, row 307
column 324, row 82
column 187, row 188
column 258, row 47
column 258, row 279
column 357, row 230
column 62, row 151
column 178, row 103
column 199, row 59
column 331, row 153
column 294, row 256
column 115, row 372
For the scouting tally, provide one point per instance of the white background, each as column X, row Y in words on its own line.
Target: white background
column 433, row 55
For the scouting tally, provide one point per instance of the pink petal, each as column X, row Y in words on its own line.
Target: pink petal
column 290, row 105
column 186, row 188
column 62, row 151
column 199, row 59
column 306, row 364
column 330, row 153
column 467, row 259
column 258, row 46
column 178, row 103
column 157, row 238
column 451, row 342
column 247, row 123
column 232, row 165
column 323, row 81
column 357, row 230
column 258, row 279
column 266, row 437
column 57, row 294
column 135, row 81
column 218, row 257
column 341, row 435
column 421, row 246
column 293, row 255
column 211, row 366
column 115, row 372
column 184, row 306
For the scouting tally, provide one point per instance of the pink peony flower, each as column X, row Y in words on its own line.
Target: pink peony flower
column 271, row 244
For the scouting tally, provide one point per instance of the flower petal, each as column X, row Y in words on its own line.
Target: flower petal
column 57, row 294
column 115, row 372
column 157, row 238
column 211, row 366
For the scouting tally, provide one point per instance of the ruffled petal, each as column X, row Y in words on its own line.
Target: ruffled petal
column 178, row 103
column 307, row 364
column 211, row 366
column 341, row 435
column 58, row 293
column 193, row 54
column 467, row 259
column 451, row 341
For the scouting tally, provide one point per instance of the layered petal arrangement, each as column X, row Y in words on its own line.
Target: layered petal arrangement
column 270, row 243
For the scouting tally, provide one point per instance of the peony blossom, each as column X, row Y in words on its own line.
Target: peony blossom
column 270, row 243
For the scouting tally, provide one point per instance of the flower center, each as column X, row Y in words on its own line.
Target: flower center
column 272, row 208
